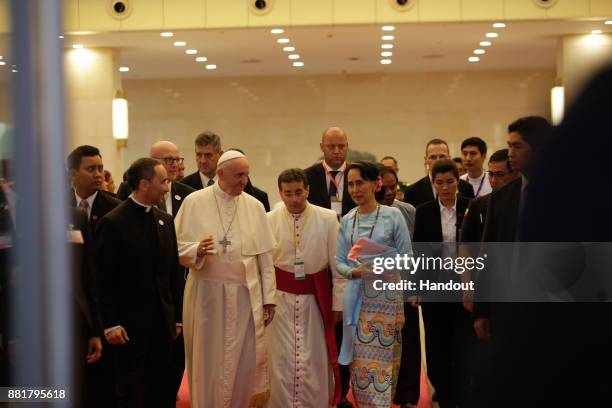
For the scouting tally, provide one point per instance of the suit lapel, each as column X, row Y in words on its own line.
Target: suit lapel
column 176, row 200
column 323, row 183
column 428, row 193
column 199, row 181
column 437, row 221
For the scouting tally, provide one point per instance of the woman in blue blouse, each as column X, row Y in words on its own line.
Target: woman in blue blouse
column 372, row 318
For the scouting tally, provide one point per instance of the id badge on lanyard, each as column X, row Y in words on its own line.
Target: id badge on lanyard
column 298, row 267
column 336, row 205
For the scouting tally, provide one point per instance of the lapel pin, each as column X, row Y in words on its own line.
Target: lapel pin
column 161, row 222
column 177, row 197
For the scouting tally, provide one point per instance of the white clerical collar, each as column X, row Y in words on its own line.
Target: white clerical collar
column 219, row 192
column 443, row 208
column 89, row 199
column 330, row 168
column 147, row 207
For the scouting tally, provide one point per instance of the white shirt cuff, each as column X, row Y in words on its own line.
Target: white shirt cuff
column 110, row 329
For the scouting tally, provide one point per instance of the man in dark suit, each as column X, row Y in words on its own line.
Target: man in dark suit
column 137, row 250
column 329, row 189
column 448, row 327
column 207, row 150
column 86, row 310
column 500, row 173
column 327, row 179
column 170, row 157
column 525, row 136
column 87, row 174
column 422, row 191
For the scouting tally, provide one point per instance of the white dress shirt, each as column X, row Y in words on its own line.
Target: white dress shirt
column 89, row 200
column 475, row 182
column 205, row 179
column 448, row 216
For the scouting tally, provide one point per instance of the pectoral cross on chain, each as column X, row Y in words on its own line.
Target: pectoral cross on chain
column 225, row 242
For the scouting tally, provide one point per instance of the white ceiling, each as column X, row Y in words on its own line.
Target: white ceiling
column 337, row 49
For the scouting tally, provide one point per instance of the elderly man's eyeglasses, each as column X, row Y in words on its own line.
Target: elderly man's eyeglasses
column 171, row 160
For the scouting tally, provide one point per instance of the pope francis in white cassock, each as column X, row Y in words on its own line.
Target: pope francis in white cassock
column 225, row 241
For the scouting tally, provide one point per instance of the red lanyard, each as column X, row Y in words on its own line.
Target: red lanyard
column 331, row 178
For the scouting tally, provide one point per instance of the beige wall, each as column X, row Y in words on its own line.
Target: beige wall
column 279, row 120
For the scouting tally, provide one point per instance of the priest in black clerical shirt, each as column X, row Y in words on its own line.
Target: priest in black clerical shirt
column 137, row 251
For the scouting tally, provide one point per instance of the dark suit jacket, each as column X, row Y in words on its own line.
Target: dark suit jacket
column 177, row 189
column 260, row 195
column 102, row 205
column 500, row 226
column 427, row 235
column 194, row 181
column 88, row 319
column 319, row 194
column 502, row 213
column 138, row 253
column 422, row 191
column 428, row 224
column 474, row 219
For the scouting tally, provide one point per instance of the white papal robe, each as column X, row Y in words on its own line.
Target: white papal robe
column 300, row 371
column 223, row 327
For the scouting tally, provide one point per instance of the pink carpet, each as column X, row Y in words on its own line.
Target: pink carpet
column 424, row 402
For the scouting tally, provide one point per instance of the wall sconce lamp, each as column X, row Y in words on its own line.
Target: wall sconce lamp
column 557, row 104
column 120, row 119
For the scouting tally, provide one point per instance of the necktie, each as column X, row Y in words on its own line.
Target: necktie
column 211, row 182
column 84, row 205
column 333, row 191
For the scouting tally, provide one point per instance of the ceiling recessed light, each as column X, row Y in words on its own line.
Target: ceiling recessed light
column 282, row 40
column 479, row 52
column 386, row 54
column 485, row 43
column 388, row 28
column 294, row 56
column 191, row 51
column 609, row 22
column 473, row 59
column 298, row 64
column 124, row 69
column 499, row 25
column 60, row 37
column 596, row 32
column 201, row 59
column 77, row 46
column 277, row 31
column 388, row 38
column 288, row 49
column 211, row 66
column 385, row 61
column 386, row 46
column 167, row 34
column 492, row 35
column 2, row 63
column 180, row 43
